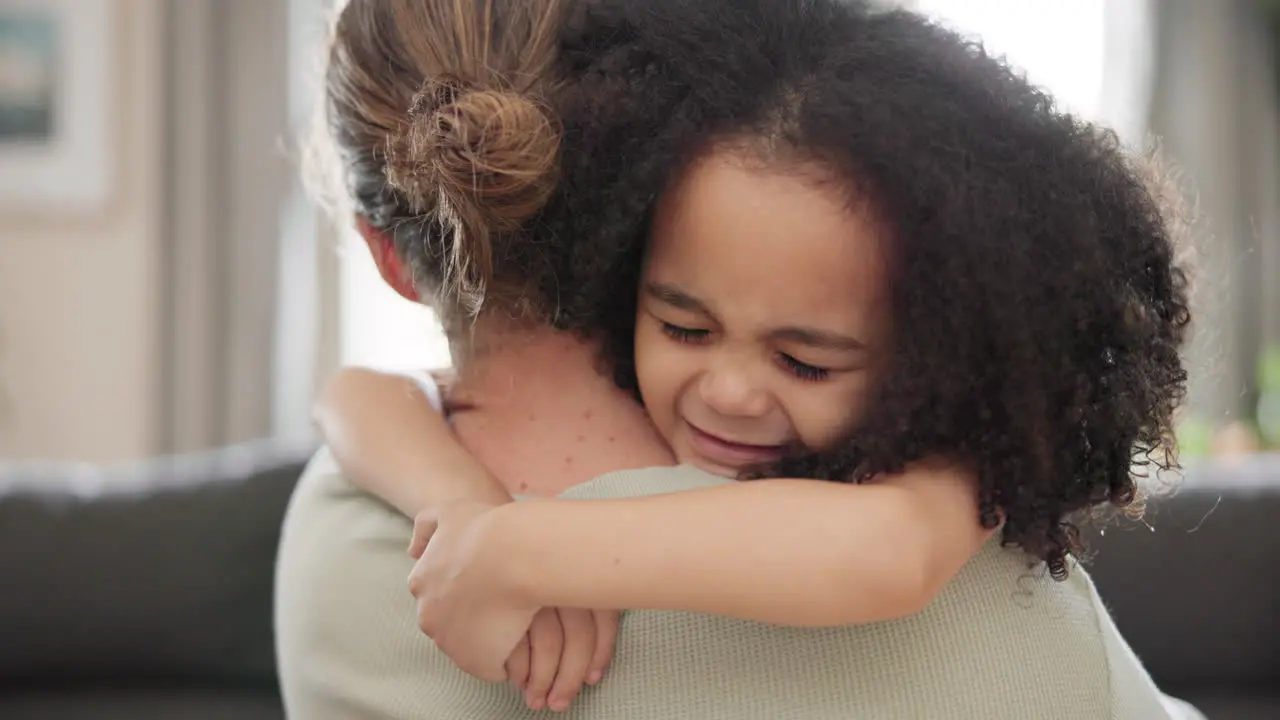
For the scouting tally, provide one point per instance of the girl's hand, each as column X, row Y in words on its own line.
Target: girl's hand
column 424, row 526
column 423, row 529
column 462, row 604
column 563, row 650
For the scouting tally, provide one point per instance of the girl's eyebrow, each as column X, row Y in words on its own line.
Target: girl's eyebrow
column 818, row 338
column 675, row 297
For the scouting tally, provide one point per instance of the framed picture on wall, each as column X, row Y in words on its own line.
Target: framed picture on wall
column 57, row 102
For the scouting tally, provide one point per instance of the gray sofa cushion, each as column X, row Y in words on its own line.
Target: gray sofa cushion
column 160, row 571
column 1227, row 706
column 135, row 705
column 1198, row 597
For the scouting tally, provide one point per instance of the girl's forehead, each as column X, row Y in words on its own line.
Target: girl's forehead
column 741, row 234
column 724, row 211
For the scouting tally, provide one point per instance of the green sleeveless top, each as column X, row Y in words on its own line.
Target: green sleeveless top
column 1002, row 641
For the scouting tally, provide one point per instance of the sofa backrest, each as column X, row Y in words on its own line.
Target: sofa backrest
column 1195, row 586
column 152, row 572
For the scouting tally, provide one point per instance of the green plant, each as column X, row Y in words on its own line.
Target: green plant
column 1271, row 15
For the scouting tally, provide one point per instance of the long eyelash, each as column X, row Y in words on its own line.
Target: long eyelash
column 684, row 334
column 804, row 371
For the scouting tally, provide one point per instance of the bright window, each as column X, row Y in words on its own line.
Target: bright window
column 1058, row 43
column 379, row 328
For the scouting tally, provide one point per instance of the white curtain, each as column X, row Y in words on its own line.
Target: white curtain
column 245, row 333
column 1214, row 107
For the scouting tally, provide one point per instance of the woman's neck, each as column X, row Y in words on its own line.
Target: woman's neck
column 542, row 418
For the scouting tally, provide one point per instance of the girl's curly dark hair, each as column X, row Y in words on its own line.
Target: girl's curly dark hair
column 1037, row 302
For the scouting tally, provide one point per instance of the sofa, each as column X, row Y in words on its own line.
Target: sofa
column 1195, row 587
column 142, row 592
column 145, row 592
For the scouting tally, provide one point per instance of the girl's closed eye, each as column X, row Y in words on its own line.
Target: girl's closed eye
column 684, row 334
column 803, row 370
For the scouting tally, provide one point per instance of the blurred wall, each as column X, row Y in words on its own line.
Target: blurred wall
column 79, row 324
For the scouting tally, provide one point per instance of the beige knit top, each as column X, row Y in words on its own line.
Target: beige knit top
column 1002, row 641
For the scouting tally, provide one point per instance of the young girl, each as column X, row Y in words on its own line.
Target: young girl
column 851, row 273
column 717, row 285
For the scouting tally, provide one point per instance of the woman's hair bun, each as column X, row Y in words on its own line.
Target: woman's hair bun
column 478, row 161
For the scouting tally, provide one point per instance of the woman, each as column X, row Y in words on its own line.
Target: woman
column 851, row 672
